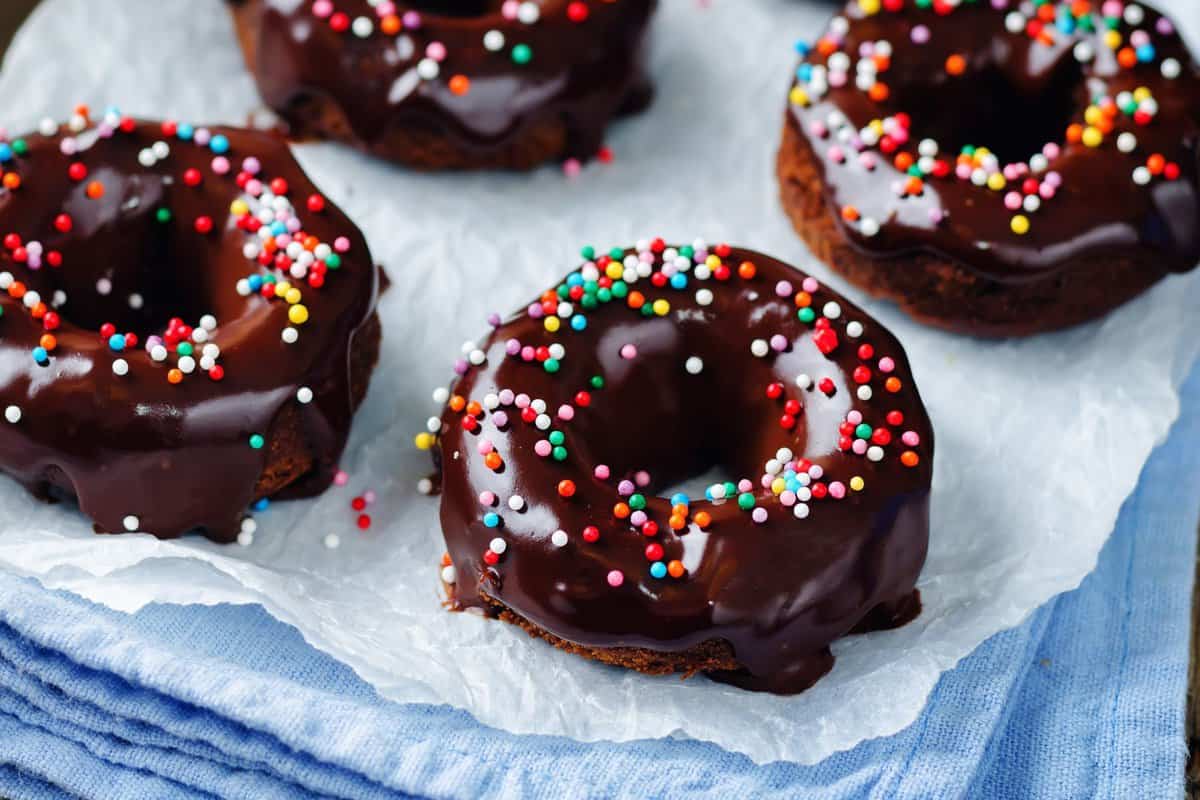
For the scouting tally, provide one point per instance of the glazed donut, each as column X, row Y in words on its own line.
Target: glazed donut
column 188, row 324
column 992, row 168
column 450, row 84
column 561, row 441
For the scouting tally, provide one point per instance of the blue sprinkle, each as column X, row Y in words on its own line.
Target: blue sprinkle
column 679, row 498
column 1145, row 53
column 802, row 48
column 679, row 281
column 116, row 342
column 804, row 72
column 219, row 144
column 261, row 505
column 6, row 152
column 491, row 519
column 278, row 228
column 255, row 282
column 578, row 322
column 185, row 132
column 574, row 279
column 658, row 570
column 40, row 355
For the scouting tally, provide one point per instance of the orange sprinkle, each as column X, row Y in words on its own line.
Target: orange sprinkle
column 1046, row 13
column 175, row 376
column 679, row 510
column 702, row 519
column 675, row 569
column 957, row 65
column 17, row 290
column 493, row 460
column 914, row 185
column 903, row 161
column 311, row 242
column 48, row 341
column 1074, row 133
column 1127, row 57
column 460, row 84
column 446, row 560
column 458, row 403
column 38, row 311
column 474, row 409
column 747, row 270
column 677, row 522
column 849, row 213
column 909, row 459
column 1156, row 164
column 803, row 299
column 636, row 300
column 12, row 180
column 882, row 63
column 878, row 92
column 621, row 511
column 892, row 384
column 95, row 190
column 390, row 25
column 826, row 46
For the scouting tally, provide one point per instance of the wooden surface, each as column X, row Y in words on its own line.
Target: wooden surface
column 13, row 12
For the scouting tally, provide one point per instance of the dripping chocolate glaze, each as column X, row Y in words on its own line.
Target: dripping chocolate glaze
column 778, row 592
column 584, row 73
column 1016, row 95
column 175, row 456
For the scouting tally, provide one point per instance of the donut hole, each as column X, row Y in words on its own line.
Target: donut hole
column 989, row 108
column 124, row 264
column 457, row 8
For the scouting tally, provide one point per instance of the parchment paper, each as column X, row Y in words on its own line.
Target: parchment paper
column 1039, row 441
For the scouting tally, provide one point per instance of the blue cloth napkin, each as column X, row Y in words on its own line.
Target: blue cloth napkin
column 1086, row 699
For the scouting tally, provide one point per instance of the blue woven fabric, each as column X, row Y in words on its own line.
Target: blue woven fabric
column 1086, row 699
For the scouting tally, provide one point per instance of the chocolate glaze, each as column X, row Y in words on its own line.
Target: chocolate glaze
column 176, row 456
column 581, row 72
column 1016, row 95
column 778, row 592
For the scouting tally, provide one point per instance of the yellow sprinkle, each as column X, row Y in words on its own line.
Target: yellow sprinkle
column 1112, row 40
column 778, row 485
column 1092, row 137
column 798, row 96
column 869, row 7
column 1142, row 93
column 661, row 307
column 1093, row 115
column 980, row 152
column 551, row 324
column 1020, row 224
column 614, row 270
column 423, row 441
column 996, row 181
column 712, row 262
column 292, row 295
column 281, row 288
column 876, row 126
column 298, row 314
column 239, row 207
column 857, row 483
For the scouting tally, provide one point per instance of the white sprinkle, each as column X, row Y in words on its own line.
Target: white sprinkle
column 31, row 299
column 1127, row 142
column 136, row 301
column 304, row 395
column 1134, row 14
column 759, row 348
column 332, row 541
column 1084, row 52
column 1031, row 203
column 120, row 367
column 854, row 329
column 428, row 69
column 875, row 453
column 290, row 335
column 433, row 424
column 704, row 297
column 493, row 40
column 516, row 502
column 13, row 414
column 249, row 525
column 158, row 353
column 1014, row 22
column 865, row 392
column 542, row 421
column 477, row 357
column 146, row 157
column 803, row 381
column 441, row 395
column 245, row 539
column 800, row 510
column 103, row 286
column 199, row 335
column 559, row 538
column 1141, row 176
column 208, row 322
column 47, row 127
column 243, row 287
column 1171, row 68
column 449, row 574
column 528, row 13
column 131, row 523
column 425, row 486
column 160, row 149
column 557, row 351
column 694, row 365
column 60, row 298
column 869, row 227
column 362, row 27
column 498, row 546
column 832, row 310
column 186, row 364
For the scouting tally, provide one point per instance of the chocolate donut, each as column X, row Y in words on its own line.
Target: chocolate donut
column 450, row 84
column 1087, row 196
column 561, row 441
column 188, row 325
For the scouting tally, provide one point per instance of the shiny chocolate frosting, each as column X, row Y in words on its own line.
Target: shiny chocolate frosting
column 1016, row 144
column 178, row 308
column 561, row 442
column 480, row 72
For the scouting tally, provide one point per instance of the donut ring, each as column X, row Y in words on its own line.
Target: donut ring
column 450, row 84
column 1089, row 195
column 188, row 325
column 644, row 368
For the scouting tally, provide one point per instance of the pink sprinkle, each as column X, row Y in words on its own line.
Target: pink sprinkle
column 436, row 51
column 507, row 397
column 571, row 167
column 625, row 488
column 836, row 154
column 837, row 79
column 637, row 519
column 886, row 364
column 1051, row 150
column 779, row 343
column 487, row 498
column 601, row 472
column 745, row 485
column 485, row 446
column 810, row 285
column 818, row 129
column 411, row 20
column 509, row 9
column 859, row 447
column 759, row 515
column 766, row 480
column 867, row 161
column 543, row 447
column 522, row 400
column 628, row 351
column 816, row 471
column 499, row 419
column 341, row 244
column 322, row 9
column 341, row 478
column 911, row 438
column 1012, row 201
column 528, row 353
column 220, row 165
column 837, row 490
column 787, row 498
column 854, row 417
column 512, row 347
column 566, row 412
column 783, row 289
column 616, row 578
column 642, row 478
column 920, row 34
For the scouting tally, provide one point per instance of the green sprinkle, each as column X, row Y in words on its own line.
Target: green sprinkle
column 184, row 349
column 637, row 502
column 588, row 253
column 163, row 215
column 616, row 254
column 620, row 289
column 730, row 489
column 686, row 251
column 257, row 441
column 522, row 54
column 863, row 431
column 647, row 310
column 20, row 147
column 745, row 501
column 604, row 295
column 559, row 453
column 597, row 382
column 556, row 438
column 333, row 261
column 806, row 315
column 551, row 365
column 588, row 301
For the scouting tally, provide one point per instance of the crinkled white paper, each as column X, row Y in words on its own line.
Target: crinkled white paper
column 1039, row 440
